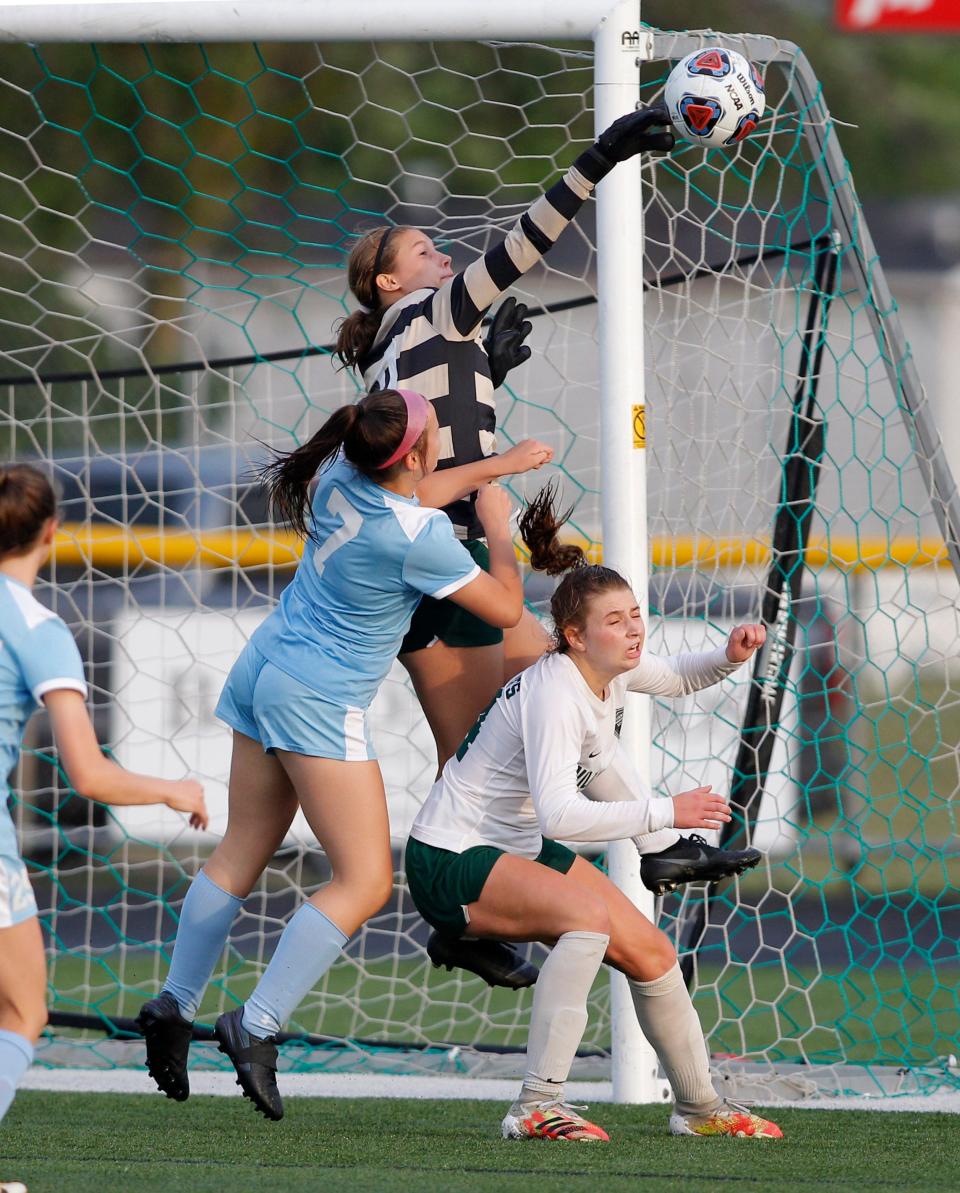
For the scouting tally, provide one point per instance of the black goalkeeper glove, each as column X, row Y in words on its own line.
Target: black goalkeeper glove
column 504, row 343
column 625, row 138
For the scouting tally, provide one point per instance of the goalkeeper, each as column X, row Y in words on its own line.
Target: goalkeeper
column 482, row 858
column 41, row 666
column 419, row 325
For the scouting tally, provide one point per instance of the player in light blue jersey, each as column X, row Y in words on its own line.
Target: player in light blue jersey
column 297, row 702
column 40, row 665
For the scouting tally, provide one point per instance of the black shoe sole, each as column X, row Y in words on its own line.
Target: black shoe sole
column 688, row 874
column 443, row 955
column 246, row 1088
column 173, row 1085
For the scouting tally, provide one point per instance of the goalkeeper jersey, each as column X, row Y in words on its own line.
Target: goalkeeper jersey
column 520, row 773
column 430, row 341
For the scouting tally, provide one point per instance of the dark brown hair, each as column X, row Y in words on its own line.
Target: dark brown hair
column 356, row 333
column 581, row 582
column 369, row 432
column 27, row 501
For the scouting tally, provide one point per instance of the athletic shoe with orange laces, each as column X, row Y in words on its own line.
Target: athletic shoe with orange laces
column 551, row 1120
column 730, row 1119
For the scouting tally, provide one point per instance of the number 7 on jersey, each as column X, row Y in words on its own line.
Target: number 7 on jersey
column 338, row 505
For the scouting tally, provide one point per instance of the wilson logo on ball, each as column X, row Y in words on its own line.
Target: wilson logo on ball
column 700, row 115
column 715, row 63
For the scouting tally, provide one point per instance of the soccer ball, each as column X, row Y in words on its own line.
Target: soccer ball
column 714, row 97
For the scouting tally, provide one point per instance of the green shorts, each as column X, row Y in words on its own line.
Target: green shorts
column 446, row 622
column 442, row 883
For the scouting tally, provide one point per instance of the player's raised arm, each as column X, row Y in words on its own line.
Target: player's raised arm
column 497, row 595
column 439, row 489
column 459, row 305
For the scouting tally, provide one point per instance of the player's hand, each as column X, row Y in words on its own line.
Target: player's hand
column 524, row 456
column 494, row 508
column 700, row 808
column 744, row 640
column 635, row 132
column 504, row 343
column 186, row 795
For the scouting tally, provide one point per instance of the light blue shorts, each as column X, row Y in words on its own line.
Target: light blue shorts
column 16, row 894
column 282, row 713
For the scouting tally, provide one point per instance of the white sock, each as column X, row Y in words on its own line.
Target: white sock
column 671, row 1025
column 560, row 1013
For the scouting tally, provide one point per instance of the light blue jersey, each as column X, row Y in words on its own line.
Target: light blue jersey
column 37, row 655
column 372, row 556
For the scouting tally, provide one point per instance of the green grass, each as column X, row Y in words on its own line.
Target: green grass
column 108, row 1143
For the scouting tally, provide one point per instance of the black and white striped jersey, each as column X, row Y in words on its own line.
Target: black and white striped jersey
column 430, row 341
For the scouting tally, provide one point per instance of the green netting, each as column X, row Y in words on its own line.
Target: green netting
column 172, row 204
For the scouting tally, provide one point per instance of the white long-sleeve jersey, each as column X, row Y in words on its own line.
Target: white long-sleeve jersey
column 520, row 773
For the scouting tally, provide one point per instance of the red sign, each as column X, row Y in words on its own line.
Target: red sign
column 905, row 16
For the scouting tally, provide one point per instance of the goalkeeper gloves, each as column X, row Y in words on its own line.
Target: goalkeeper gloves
column 625, row 138
column 504, row 343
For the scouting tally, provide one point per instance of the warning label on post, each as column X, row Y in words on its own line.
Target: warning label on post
column 639, row 426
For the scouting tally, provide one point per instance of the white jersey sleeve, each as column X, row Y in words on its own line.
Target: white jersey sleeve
column 49, row 659
column 437, row 564
column 681, row 674
column 553, row 732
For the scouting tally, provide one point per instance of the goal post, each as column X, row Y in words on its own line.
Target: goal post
column 180, row 186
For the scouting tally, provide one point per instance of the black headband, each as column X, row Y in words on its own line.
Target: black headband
column 377, row 262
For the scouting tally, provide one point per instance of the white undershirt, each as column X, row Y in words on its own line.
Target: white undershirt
column 543, row 740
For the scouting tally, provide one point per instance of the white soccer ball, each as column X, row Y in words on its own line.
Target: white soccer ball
column 714, row 97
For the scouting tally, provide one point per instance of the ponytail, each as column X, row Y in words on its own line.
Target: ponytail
column 367, row 433
column 539, row 524
column 27, row 501
column 355, row 336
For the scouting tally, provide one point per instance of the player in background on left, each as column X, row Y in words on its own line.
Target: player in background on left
column 40, row 665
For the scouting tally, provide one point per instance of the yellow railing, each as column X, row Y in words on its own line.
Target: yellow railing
column 111, row 548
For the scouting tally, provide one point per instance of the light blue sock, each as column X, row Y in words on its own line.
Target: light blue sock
column 16, row 1056
column 308, row 947
column 205, row 919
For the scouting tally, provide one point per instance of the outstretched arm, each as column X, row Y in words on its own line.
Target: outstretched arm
column 439, row 489
column 96, row 777
column 458, row 306
column 681, row 674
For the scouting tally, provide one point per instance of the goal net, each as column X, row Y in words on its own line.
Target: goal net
column 176, row 220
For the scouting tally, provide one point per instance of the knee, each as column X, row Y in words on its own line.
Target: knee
column 24, row 1019
column 379, row 892
column 36, row 1023
column 367, row 893
column 590, row 914
column 647, row 960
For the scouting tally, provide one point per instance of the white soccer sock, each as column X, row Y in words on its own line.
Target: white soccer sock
column 671, row 1025
column 560, row 1013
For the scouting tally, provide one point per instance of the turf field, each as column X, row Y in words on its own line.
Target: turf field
column 111, row 1143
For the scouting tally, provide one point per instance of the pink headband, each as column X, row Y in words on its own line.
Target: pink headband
column 417, row 410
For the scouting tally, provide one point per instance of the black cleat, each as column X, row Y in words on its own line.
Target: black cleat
column 255, row 1061
column 498, row 963
column 691, row 859
column 168, row 1036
